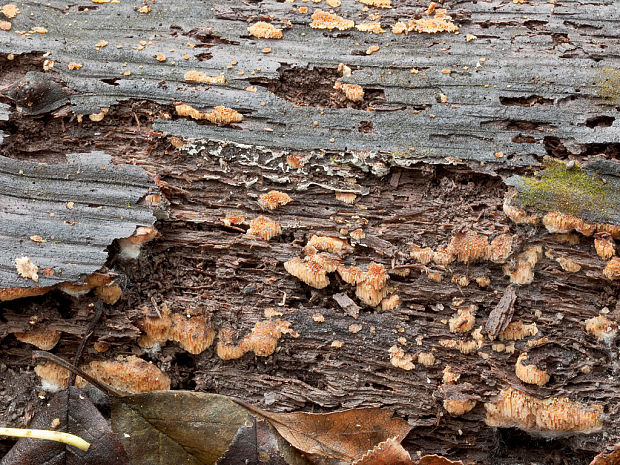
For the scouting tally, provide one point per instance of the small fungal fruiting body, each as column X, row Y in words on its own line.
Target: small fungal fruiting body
column 73, row 66
column 390, row 303
column 400, row 359
column 155, row 328
column 516, row 214
column 220, row 115
column 524, row 272
column 193, row 334
column 351, row 275
column 130, row 246
column 265, row 228
column 26, row 269
column 330, row 244
column 262, row 340
column 199, row 76
column 5, row 26
column 441, row 22
column 517, row 330
column 458, row 407
column 373, row 287
column 110, row 293
column 44, row 340
column 426, row 358
column 374, row 28
column 460, row 280
column 324, row 20
column 346, row 197
column 555, row 415
column 500, row 248
column 557, row 222
column 604, row 245
column 468, row 247
column 422, row 255
column 353, row 92
column 612, row 269
column 230, row 220
column 264, row 30
column 309, row 271
column 129, row 374
column 612, row 229
column 442, row 257
column 530, row 374
column 463, row 321
column 449, row 376
column 378, row 3
column 568, row 265
column 357, row 234
column 602, row 328
column 10, row 10
column 464, row 347
column 274, row 199
column 483, row 281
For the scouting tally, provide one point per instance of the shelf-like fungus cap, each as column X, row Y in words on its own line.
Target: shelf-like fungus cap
column 193, row 334
column 530, row 374
column 264, row 227
column 468, row 246
column 274, row 199
column 309, row 271
column 44, row 340
column 129, row 374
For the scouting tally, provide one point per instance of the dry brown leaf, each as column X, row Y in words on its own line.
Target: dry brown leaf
column 345, row 436
column 389, row 452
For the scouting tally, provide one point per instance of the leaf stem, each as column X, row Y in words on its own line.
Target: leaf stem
column 57, row 436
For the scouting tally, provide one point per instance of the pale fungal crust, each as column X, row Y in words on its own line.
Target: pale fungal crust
column 274, row 199
column 390, row 303
column 351, row 275
column 26, row 269
column 442, row 257
column 554, row 415
column 230, row 220
column 403, row 272
column 433, row 275
column 336, row 344
column 602, row 328
column 264, row 30
column 441, row 22
column 373, row 286
column 344, row 70
column 324, row 20
column 568, row 265
column 220, row 115
column 378, row 3
column 333, row 3
column 347, row 197
column 129, row 374
column 460, row 280
column 199, row 76
column 10, row 10
column 374, row 28
column 73, row 65
column 426, row 358
column 468, row 247
column 604, row 245
column 44, row 340
column 110, row 293
column 353, row 92
column 612, row 229
column 557, row 222
column 483, row 281
column 54, row 377
column 458, row 407
column 262, row 340
column 516, row 214
column 296, row 160
column 130, row 246
column 5, row 26
column 530, row 374
column 355, row 328
column 399, row 28
column 449, row 376
column 463, row 320
column 400, row 359
column 372, row 49
column 612, row 269
column 311, row 272
column 265, row 228
column 464, row 347
column 517, row 330
column 193, row 334
column 500, row 248
column 329, row 244
column 422, row 255
column 357, row 234
column 155, row 328
column 524, row 271
column 318, row 317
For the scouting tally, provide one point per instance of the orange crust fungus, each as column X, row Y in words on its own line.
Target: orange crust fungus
column 524, row 272
column 110, row 293
column 130, row 246
column 458, row 407
column 264, row 30
column 517, row 330
column 199, row 76
column 604, row 245
column 442, row 257
column 10, row 10
column 422, row 255
column 390, row 303
column 5, row 26
column 450, row 377
column 483, row 281
column 230, row 220
column 226, row 348
column 612, row 269
column 612, row 229
column 500, row 248
column 129, row 374
column 463, row 320
column 468, row 247
column 400, row 359
column 26, row 269
column 557, row 222
column 516, row 214
column 324, row 20
column 351, row 275
column 262, row 340
column 44, row 340
column 329, row 244
column 220, row 115
column 464, row 347
column 460, row 280
column 441, row 22
column 378, row 3
column 352, row 92
column 568, row 265
column 602, row 328
column 54, row 377
column 426, row 358
column 311, row 272
column 193, row 334
column 264, row 227
column 554, row 415
column 530, row 374
column 375, row 28
column 347, row 197
column 155, row 328
column 274, row 199
column 373, row 286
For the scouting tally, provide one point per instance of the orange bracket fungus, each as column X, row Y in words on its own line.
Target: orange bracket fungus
column 352, row 92
column 330, row 244
column 274, row 199
column 518, row 330
column 373, row 286
column 262, row 340
column 421, row 255
column 468, row 247
column 463, row 321
column 220, row 115
column 530, row 374
column 44, row 340
column 604, row 245
column 324, row 20
column 557, row 222
column 554, row 416
column 264, row 227
column 612, row 269
column 264, row 30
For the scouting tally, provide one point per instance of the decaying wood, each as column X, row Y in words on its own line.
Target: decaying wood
column 533, row 82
